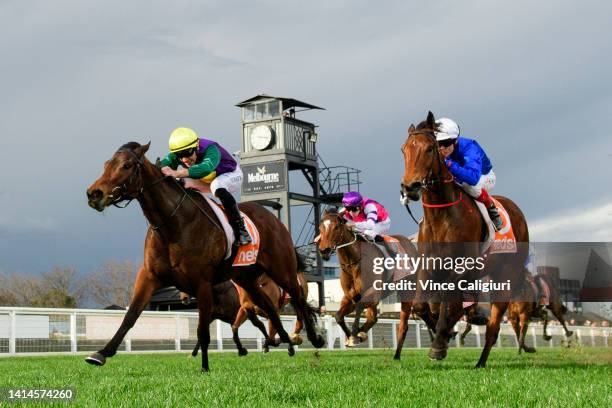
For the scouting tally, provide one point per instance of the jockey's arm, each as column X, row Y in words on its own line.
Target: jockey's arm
column 210, row 161
column 470, row 171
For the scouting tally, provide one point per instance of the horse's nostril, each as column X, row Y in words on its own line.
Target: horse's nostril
column 95, row 194
column 415, row 186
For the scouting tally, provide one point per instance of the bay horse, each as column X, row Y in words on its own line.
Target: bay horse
column 237, row 306
column 520, row 313
column 185, row 246
column 450, row 216
column 353, row 252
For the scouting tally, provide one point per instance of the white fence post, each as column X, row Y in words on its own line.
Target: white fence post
column 329, row 328
column 579, row 335
column 417, row 331
column 477, row 333
column 177, row 333
column 219, row 336
column 371, row 339
column 12, row 332
column 593, row 338
column 534, row 337
column 73, row 332
column 394, row 334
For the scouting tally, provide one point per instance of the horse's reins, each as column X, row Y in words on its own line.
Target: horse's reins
column 139, row 164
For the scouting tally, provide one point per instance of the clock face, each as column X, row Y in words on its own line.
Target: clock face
column 261, row 137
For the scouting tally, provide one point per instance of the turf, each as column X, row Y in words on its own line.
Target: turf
column 353, row 378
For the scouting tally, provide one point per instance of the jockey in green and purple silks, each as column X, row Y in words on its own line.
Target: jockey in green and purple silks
column 207, row 167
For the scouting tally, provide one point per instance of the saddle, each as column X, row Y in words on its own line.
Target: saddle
column 246, row 254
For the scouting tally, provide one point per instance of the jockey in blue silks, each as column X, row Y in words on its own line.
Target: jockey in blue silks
column 469, row 164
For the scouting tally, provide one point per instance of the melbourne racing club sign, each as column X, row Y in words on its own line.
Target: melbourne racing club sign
column 263, row 177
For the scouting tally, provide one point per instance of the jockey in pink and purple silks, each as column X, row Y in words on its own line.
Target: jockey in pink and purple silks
column 366, row 215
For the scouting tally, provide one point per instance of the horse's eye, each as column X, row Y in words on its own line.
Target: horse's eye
column 429, row 150
column 127, row 166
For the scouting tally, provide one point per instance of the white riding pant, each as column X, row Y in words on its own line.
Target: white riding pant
column 486, row 181
column 231, row 181
column 380, row 228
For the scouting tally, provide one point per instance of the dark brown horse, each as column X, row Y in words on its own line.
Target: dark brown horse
column 185, row 247
column 226, row 307
column 237, row 306
column 450, row 216
column 353, row 253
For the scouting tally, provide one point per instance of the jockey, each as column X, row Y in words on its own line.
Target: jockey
column 469, row 164
column 207, row 167
column 368, row 217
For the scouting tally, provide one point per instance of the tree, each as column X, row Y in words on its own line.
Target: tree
column 113, row 283
column 59, row 288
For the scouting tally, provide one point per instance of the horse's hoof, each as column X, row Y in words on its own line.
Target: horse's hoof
column 266, row 349
column 529, row 349
column 569, row 334
column 352, row 341
column 243, row 352
column 480, row 365
column 362, row 336
column 547, row 338
column 396, row 357
column 96, row 359
column 296, row 340
column 291, row 351
column 204, row 370
column 318, row 341
column 437, row 354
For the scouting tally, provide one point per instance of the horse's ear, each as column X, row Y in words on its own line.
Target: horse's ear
column 411, row 129
column 140, row 151
column 158, row 163
column 431, row 120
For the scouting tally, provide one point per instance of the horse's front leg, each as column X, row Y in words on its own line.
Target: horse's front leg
column 205, row 317
column 346, row 307
column 146, row 284
column 371, row 319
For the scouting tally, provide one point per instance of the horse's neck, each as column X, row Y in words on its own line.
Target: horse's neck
column 162, row 204
column 441, row 220
column 348, row 254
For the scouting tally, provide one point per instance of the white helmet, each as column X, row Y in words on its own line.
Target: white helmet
column 447, row 129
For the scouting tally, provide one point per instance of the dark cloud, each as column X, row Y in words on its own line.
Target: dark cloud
column 80, row 79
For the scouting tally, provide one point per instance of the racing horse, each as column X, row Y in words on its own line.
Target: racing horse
column 236, row 306
column 449, row 216
column 353, row 253
column 185, row 246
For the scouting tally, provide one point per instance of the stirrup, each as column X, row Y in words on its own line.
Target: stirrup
column 242, row 235
column 495, row 218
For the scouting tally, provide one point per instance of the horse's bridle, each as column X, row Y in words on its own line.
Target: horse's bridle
column 123, row 190
column 430, row 181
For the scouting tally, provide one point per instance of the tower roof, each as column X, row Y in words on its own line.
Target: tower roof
column 287, row 102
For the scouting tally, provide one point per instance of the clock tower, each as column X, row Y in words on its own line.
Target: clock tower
column 277, row 148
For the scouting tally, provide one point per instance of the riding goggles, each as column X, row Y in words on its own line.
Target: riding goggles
column 185, row 153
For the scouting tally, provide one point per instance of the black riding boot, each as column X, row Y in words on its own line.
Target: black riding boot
column 235, row 219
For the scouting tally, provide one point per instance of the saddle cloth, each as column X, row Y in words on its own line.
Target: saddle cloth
column 246, row 254
column 502, row 241
column 392, row 248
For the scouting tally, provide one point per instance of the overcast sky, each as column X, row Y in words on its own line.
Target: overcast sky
column 530, row 81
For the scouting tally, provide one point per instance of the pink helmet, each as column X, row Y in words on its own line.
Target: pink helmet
column 352, row 199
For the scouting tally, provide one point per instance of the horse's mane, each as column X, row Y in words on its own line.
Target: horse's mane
column 130, row 146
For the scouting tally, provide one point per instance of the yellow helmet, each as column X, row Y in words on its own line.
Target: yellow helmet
column 182, row 139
